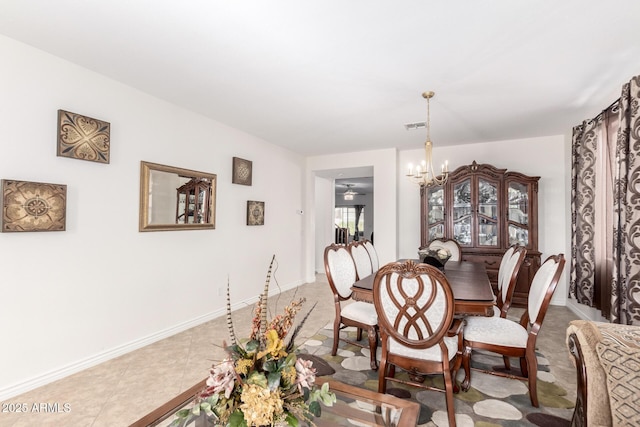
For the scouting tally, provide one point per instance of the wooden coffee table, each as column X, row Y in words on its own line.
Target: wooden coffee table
column 353, row 404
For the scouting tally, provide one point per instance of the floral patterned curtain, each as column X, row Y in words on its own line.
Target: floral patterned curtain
column 359, row 209
column 625, row 300
column 605, row 262
column 583, row 186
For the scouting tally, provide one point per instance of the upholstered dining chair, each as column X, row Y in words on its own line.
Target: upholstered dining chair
column 418, row 332
column 515, row 339
column 341, row 274
column 508, row 277
column 361, row 258
column 373, row 255
column 451, row 244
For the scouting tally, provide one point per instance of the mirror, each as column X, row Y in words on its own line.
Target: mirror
column 176, row 199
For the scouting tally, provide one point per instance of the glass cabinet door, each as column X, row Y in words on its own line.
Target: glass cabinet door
column 435, row 214
column 488, row 229
column 518, row 214
column 462, row 210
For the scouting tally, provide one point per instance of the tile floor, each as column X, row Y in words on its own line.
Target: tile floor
column 118, row 392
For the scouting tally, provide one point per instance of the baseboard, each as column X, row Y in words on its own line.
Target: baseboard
column 72, row 368
column 585, row 312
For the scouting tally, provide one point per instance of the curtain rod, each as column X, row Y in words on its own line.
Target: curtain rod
column 612, row 106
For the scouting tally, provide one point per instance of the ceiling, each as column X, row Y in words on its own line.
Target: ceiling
column 338, row 76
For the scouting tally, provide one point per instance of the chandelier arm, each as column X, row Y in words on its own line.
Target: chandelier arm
column 425, row 175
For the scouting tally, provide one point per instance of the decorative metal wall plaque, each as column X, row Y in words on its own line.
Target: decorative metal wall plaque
column 242, row 171
column 82, row 137
column 33, row 206
column 255, row 213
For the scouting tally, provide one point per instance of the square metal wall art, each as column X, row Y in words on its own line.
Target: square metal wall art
column 82, row 137
column 33, row 206
column 255, row 213
column 242, row 171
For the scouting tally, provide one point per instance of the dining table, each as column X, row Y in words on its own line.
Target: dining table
column 469, row 283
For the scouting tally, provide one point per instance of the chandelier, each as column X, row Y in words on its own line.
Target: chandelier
column 424, row 174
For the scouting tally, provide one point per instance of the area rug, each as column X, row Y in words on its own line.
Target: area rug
column 490, row 401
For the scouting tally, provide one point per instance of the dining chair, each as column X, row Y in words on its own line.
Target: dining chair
column 515, row 339
column 373, row 255
column 341, row 274
column 418, row 333
column 452, row 245
column 361, row 258
column 508, row 277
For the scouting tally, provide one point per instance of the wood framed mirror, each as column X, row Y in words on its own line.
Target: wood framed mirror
column 173, row 198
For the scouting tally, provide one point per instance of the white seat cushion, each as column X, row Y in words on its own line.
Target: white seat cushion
column 496, row 311
column 495, row 330
column 362, row 312
column 431, row 353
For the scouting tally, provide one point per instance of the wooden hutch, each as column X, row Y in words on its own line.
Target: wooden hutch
column 193, row 201
column 486, row 210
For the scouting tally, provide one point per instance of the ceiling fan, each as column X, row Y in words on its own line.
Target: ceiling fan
column 349, row 193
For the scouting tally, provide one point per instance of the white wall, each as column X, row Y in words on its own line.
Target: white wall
column 384, row 163
column 544, row 157
column 323, row 215
column 76, row 298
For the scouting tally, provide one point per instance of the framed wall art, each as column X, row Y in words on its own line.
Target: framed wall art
column 255, row 213
column 33, row 206
column 242, row 171
column 82, row 137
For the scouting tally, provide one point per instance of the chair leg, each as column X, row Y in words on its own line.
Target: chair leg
column 336, row 336
column 466, row 364
column 448, row 389
column 454, row 372
column 523, row 367
column 373, row 346
column 382, row 380
column 532, row 367
column 359, row 335
column 507, row 362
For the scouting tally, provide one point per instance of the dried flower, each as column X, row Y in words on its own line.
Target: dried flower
column 263, row 382
column 306, row 374
column 221, row 379
column 260, row 406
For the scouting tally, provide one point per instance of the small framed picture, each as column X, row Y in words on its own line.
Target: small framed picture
column 82, row 137
column 33, row 206
column 255, row 213
column 242, row 171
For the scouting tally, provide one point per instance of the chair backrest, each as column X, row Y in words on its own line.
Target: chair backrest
column 373, row 255
column 508, row 272
column 450, row 244
column 340, row 269
column 543, row 286
column 503, row 264
column 361, row 259
column 414, row 303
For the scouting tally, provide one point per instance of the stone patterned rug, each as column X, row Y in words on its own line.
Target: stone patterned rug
column 491, row 400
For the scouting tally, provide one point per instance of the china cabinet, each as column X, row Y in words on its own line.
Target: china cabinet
column 486, row 210
column 193, row 202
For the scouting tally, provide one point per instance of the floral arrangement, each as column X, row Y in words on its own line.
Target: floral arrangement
column 436, row 256
column 262, row 382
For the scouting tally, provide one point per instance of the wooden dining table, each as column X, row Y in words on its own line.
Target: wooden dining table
column 469, row 283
